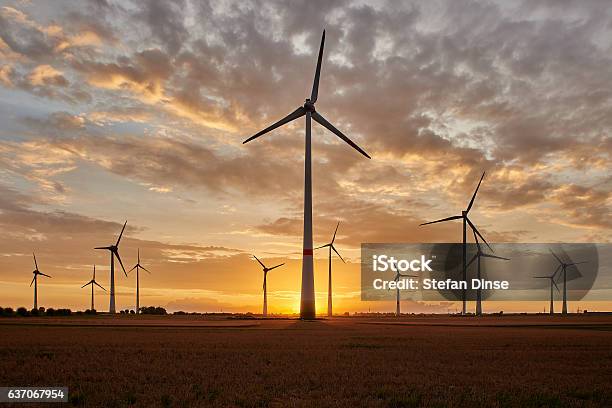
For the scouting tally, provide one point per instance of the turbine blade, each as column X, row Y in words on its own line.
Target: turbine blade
column 275, row 266
column 317, row 116
column 121, row 263
column 322, row 246
column 134, row 267
column 337, row 253
column 454, row 217
column 106, row 247
column 88, row 283
column 553, row 282
column 555, row 255
column 495, row 256
column 33, row 279
column 35, row 263
column 315, row 84
column 261, row 263
column 334, row 237
column 145, row 269
column 138, row 256
column 475, row 192
column 556, row 270
column 578, row 263
column 98, row 285
column 541, row 277
column 479, row 234
column 44, row 274
column 476, row 240
column 299, row 112
column 471, row 261
column 119, row 239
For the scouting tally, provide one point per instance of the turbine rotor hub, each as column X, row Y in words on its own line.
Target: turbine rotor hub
column 309, row 106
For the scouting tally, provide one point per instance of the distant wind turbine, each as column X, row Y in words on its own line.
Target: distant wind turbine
column 331, row 247
column 466, row 220
column 479, row 254
column 397, row 291
column 552, row 283
column 563, row 266
column 36, row 272
column 307, row 304
column 138, row 266
column 265, row 284
column 93, row 282
column 114, row 252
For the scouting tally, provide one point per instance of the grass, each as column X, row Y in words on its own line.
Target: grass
column 433, row 362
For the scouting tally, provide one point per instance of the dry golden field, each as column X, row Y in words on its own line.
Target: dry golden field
column 183, row 361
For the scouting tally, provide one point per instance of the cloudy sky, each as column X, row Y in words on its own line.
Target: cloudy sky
column 137, row 110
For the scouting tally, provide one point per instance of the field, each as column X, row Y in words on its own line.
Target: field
column 509, row 361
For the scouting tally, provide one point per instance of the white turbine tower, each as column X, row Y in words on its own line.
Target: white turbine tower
column 331, row 247
column 265, row 283
column 36, row 272
column 114, row 252
column 138, row 266
column 307, row 304
column 93, row 282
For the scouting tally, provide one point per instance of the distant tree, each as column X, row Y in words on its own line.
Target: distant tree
column 34, row 312
column 22, row 311
column 7, row 311
column 50, row 311
column 153, row 310
column 41, row 310
column 132, row 311
column 63, row 312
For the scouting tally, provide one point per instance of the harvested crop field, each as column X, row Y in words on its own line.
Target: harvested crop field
column 509, row 361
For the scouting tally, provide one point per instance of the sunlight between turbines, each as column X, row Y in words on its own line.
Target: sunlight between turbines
column 307, row 302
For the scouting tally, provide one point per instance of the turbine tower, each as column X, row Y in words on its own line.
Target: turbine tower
column 93, row 282
column 138, row 266
column 36, row 272
column 114, row 252
column 331, row 247
column 397, row 292
column 265, row 285
column 552, row 283
column 479, row 254
column 563, row 266
column 466, row 221
column 307, row 304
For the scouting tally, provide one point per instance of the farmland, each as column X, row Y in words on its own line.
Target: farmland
column 509, row 361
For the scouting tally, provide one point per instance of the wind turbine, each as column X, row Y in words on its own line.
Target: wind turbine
column 563, row 266
column 466, row 220
column 93, row 282
column 329, row 286
column 307, row 304
column 137, row 267
column 479, row 254
column 36, row 272
column 114, row 252
column 552, row 283
column 397, row 293
column 265, row 287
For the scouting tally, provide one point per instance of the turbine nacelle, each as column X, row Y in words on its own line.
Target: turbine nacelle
column 309, row 106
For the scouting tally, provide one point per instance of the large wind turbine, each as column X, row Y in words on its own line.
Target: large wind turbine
column 265, row 284
column 397, row 292
column 307, row 304
column 479, row 254
column 563, row 266
column 36, row 272
column 114, row 252
column 552, row 283
column 93, row 282
column 138, row 266
column 466, row 220
column 331, row 247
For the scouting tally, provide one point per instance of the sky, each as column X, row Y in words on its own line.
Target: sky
column 115, row 111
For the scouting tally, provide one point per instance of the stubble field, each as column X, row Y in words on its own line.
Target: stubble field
column 510, row 361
